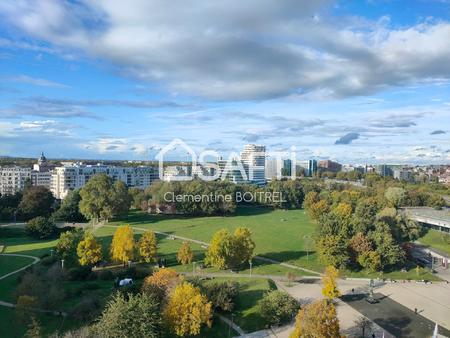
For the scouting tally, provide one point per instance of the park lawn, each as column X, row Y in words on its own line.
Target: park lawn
column 246, row 311
column 10, row 327
column 12, row 263
column 436, row 239
column 283, row 235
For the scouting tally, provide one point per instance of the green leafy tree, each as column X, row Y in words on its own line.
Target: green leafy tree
column 147, row 246
column 222, row 294
column 36, row 201
column 278, row 307
column 70, row 210
column 66, row 248
column 40, row 227
column 395, row 196
column 390, row 252
column 370, row 260
column 130, row 316
column 102, row 199
column 332, row 251
column 89, row 251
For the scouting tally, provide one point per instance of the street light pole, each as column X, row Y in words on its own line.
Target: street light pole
column 193, row 268
column 251, row 263
column 62, row 263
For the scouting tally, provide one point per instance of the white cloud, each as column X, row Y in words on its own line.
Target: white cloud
column 105, row 145
column 241, row 49
column 35, row 81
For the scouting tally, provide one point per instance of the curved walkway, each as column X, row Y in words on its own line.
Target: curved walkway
column 35, row 260
column 260, row 258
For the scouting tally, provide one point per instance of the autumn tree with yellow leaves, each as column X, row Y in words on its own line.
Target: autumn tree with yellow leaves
column 147, row 247
column 162, row 281
column 123, row 245
column 187, row 310
column 89, row 251
column 317, row 320
column 228, row 250
column 330, row 290
column 185, row 254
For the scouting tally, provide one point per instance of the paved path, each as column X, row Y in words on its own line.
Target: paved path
column 260, row 258
column 35, row 260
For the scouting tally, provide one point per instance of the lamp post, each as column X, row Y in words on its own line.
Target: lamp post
column 129, row 264
column 251, row 263
column 62, row 263
column 51, row 252
column 193, row 268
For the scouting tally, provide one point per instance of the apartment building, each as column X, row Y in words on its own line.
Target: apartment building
column 75, row 175
column 13, row 179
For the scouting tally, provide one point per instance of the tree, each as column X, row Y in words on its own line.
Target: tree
column 278, row 307
column 230, row 250
column 395, row 196
column 332, row 250
column 66, row 248
column 359, row 244
column 25, row 307
column 390, row 252
column 364, row 324
column 123, row 245
column 317, row 320
column 317, row 209
column 34, row 329
column 36, row 201
column 370, row 260
column 185, row 254
column 330, row 290
column 130, row 316
column 101, row 198
column 40, row 227
column 187, row 310
column 70, row 209
column 89, row 251
column 222, row 294
column 162, row 281
column 147, row 246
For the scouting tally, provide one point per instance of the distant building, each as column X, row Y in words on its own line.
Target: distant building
column 403, row 175
column 233, row 170
column 327, row 165
column 41, row 175
column 13, row 179
column 312, row 168
column 253, row 158
column 272, row 169
column 76, row 175
column 384, row 170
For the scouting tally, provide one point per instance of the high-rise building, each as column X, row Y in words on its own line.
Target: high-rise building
column 403, row 175
column 383, row 170
column 254, row 158
column 41, row 175
column 233, row 171
column 312, row 168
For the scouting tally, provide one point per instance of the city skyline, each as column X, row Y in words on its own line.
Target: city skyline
column 357, row 82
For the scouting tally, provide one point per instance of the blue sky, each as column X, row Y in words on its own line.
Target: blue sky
column 355, row 81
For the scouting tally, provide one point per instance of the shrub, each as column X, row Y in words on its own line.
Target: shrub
column 40, row 227
column 222, row 294
column 87, row 308
column 80, row 273
column 47, row 261
column 105, row 275
column 278, row 307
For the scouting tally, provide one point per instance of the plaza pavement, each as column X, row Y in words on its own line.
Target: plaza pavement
column 431, row 300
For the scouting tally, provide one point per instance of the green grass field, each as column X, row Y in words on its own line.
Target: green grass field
column 12, row 263
column 437, row 240
column 283, row 235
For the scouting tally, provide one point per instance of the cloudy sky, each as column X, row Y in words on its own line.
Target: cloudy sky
column 357, row 81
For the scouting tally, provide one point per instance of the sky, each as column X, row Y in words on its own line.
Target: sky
column 354, row 81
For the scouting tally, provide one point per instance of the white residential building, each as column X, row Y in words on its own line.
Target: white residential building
column 76, row 175
column 254, row 158
column 13, row 179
